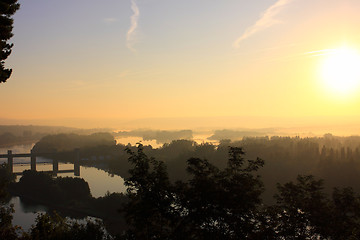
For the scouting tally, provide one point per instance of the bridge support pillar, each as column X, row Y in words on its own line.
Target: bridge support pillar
column 10, row 161
column 33, row 161
column 77, row 162
column 55, row 167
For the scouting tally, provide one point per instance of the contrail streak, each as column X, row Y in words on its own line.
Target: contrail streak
column 266, row 20
column 130, row 36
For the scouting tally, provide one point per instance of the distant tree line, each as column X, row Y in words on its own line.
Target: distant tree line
column 334, row 159
column 27, row 134
column 227, row 204
column 69, row 142
column 161, row 136
column 9, row 139
column 212, row 203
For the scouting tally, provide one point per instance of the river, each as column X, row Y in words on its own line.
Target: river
column 100, row 182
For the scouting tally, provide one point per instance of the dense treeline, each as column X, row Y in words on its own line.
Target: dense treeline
column 10, row 139
column 69, row 142
column 52, row 227
column 236, row 135
column 227, row 204
column 334, row 159
column 23, row 134
column 42, row 186
column 71, row 195
column 161, row 136
column 212, row 203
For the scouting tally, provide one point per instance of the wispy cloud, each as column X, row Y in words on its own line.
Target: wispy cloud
column 130, row 36
column 266, row 20
column 311, row 54
column 320, row 52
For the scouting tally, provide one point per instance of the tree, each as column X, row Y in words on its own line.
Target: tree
column 7, row 230
column 213, row 204
column 345, row 214
column 54, row 227
column 148, row 211
column 302, row 209
column 220, row 204
column 7, row 9
column 6, row 177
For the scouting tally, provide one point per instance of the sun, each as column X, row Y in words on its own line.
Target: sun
column 340, row 70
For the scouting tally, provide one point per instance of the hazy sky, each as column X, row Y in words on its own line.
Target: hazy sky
column 135, row 59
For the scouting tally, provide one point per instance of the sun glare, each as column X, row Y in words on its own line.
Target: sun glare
column 340, row 71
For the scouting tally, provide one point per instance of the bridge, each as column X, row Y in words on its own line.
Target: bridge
column 32, row 155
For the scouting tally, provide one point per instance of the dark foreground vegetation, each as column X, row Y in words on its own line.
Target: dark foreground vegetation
column 226, row 204
column 70, row 196
column 334, row 159
column 213, row 203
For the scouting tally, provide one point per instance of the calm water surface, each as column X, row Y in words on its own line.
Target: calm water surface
column 100, row 182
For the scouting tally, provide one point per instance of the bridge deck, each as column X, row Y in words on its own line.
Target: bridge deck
column 10, row 156
column 59, row 171
column 24, row 155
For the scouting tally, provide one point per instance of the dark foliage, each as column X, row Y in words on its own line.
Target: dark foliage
column 7, row 9
column 213, row 204
column 303, row 211
column 7, row 230
column 6, row 177
column 225, row 204
column 70, row 196
column 217, row 202
column 149, row 210
column 69, row 142
column 54, row 227
column 55, row 190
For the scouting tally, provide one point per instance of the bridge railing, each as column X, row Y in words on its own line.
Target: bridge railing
column 10, row 157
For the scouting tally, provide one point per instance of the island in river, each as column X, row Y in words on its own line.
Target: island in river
column 70, row 196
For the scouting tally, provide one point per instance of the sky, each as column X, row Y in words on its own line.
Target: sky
column 161, row 63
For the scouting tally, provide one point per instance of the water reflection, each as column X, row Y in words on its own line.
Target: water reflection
column 134, row 140
column 25, row 213
column 100, row 182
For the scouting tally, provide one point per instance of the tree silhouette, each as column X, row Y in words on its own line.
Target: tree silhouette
column 149, row 210
column 214, row 204
column 54, row 227
column 7, row 9
column 220, row 203
column 7, row 230
column 302, row 209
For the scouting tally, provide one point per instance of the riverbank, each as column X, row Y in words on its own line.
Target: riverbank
column 104, row 208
